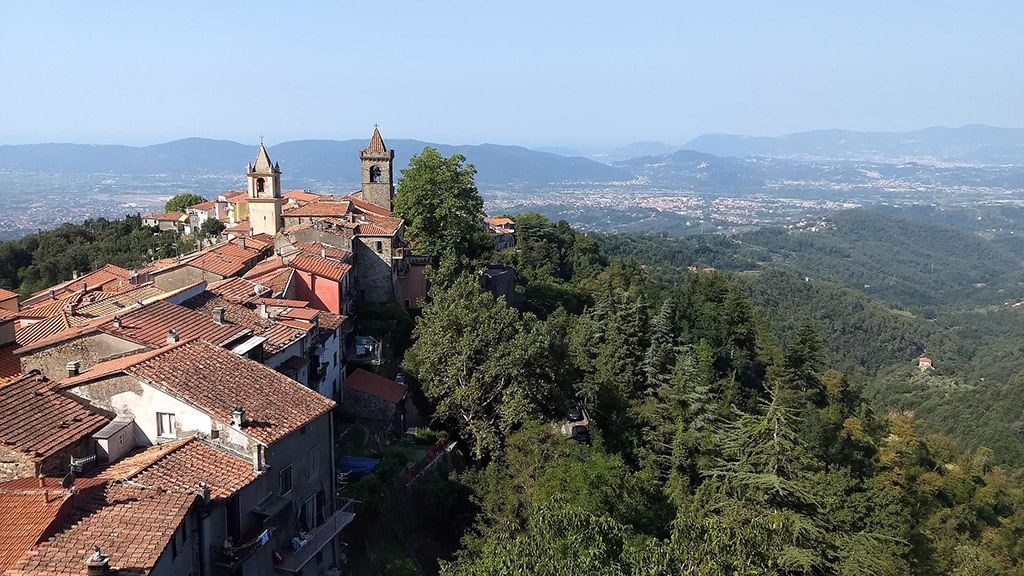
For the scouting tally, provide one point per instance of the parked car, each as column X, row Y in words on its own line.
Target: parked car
column 581, row 434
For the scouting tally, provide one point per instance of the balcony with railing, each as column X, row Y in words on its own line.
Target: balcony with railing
column 317, row 538
column 230, row 559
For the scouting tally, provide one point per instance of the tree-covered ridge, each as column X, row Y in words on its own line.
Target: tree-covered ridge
column 908, row 264
column 715, row 450
column 49, row 257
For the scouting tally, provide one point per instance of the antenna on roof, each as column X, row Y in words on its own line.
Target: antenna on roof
column 69, row 481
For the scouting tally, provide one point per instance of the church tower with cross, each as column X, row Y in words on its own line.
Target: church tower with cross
column 265, row 201
column 378, row 175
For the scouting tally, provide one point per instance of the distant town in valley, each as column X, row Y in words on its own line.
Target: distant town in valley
column 711, row 184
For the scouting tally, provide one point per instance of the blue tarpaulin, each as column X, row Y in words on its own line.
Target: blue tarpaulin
column 357, row 466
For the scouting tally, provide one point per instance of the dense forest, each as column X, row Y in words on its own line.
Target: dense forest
column 718, row 448
column 48, row 257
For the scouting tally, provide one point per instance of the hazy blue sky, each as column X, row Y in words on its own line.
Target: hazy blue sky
column 586, row 74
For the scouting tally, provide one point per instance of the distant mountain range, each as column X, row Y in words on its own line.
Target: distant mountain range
column 974, row 143
column 316, row 160
column 710, row 161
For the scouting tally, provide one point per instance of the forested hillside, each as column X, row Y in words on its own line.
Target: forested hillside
column 39, row 260
column 715, row 449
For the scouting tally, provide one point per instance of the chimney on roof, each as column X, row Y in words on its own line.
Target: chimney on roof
column 42, row 480
column 263, row 310
column 97, row 564
column 74, row 368
column 203, row 490
column 53, row 295
column 84, row 286
column 241, row 242
column 238, row 417
column 218, row 315
column 135, row 277
column 117, row 322
column 172, row 336
column 323, row 251
column 69, row 307
column 74, row 274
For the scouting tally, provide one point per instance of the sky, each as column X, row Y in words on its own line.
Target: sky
column 588, row 75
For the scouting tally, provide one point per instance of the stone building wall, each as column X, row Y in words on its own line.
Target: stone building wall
column 88, row 350
column 362, row 405
column 376, row 275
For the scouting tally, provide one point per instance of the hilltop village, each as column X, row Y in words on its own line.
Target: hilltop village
column 180, row 418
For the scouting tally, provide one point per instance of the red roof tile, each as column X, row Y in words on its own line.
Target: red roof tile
column 378, row 225
column 10, row 365
column 181, row 465
column 225, row 260
column 217, row 381
column 277, row 281
column 278, row 336
column 131, row 524
column 150, row 324
column 376, row 143
column 30, row 514
column 37, row 421
column 6, row 294
column 238, row 290
column 325, row 207
column 320, row 266
column 319, row 248
column 365, row 206
column 282, row 302
column 375, row 385
column 301, row 195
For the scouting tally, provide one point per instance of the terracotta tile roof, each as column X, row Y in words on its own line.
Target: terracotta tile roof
column 282, row 302
column 150, row 324
column 117, row 303
column 7, row 315
column 500, row 221
column 375, row 385
column 257, row 243
column 234, row 195
column 326, row 207
column 10, row 365
column 365, row 206
column 306, row 314
column 379, row 225
column 268, row 265
column 181, row 465
column 330, row 321
column 38, row 421
column 300, row 324
column 301, row 195
column 237, row 289
column 109, row 278
column 131, row 524
column 207, row 205
column 341, row 223
column 242, row 227
column 376, row 143
column 225, row 260
column 277, row 281
column 6, row 294
column 320, row 266
column 30, row 514
column 278, row 336
column 217, row 381
column 44, row 329
column 329, row 251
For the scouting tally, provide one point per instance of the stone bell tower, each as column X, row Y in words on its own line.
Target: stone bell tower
column 378, row 174
column 265, row 201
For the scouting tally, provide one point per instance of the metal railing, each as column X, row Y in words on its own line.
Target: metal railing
column 317, row 538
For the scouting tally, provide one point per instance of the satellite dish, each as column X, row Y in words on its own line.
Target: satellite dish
column 69, row 481
column 258, row 288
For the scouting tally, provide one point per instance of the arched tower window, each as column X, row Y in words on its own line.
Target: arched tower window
column 259, row 185
column 375, row 174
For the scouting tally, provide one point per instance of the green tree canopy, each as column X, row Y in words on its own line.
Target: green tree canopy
column 182, row 201
column 485, row 367
column 443, row 211
column 212, row 228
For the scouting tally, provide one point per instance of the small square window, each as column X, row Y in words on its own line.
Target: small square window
column 313, row 462
column 165, row 425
